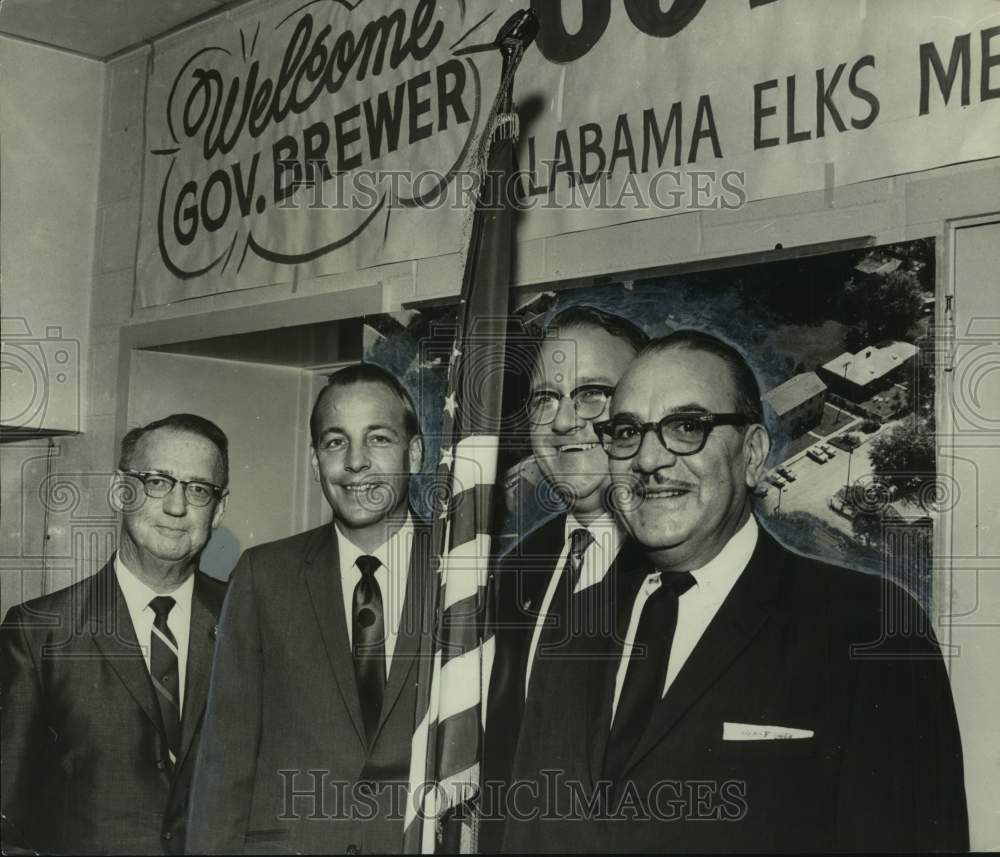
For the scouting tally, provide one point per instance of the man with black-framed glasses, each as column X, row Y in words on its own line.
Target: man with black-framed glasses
column 760, row 700
column 104, row 683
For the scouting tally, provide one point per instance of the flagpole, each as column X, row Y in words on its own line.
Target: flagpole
column 445, row 763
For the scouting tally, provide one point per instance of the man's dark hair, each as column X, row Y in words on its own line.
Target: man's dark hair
column 575, row 317
column 744, row 381
column 190, row 423
column 367, row 373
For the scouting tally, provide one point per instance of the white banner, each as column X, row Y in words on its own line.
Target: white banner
column 292, row 140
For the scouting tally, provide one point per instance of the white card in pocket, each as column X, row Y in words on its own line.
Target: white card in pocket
column 753, row 732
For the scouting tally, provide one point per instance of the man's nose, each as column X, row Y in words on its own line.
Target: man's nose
column 652, row 454
column 567, row 418
column 357, row 458
column 175, row 503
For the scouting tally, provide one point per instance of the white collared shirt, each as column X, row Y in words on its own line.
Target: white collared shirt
column 391, row 575
column 696, row 608
column 137, row 597
column 597, row 559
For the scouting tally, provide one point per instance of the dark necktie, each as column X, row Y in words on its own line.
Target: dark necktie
column 647, row 671
column 368, row 635
column 164, row 672
column 556, row 632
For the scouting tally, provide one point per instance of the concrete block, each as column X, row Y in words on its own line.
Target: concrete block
column 438, row 276
column 117, row 231
column 863, row 193
column 767, row 209
column 953, row 192
column 126, row 85
column 239, row 298
column 112, row 299
column 399, row 273
column 121, row 164
column 628, row 246
column 101, row 395
column 828, row 225
column 529, row 262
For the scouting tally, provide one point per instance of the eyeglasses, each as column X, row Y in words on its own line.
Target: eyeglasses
column 681, row 434
column 589, row 401
column 159, row 485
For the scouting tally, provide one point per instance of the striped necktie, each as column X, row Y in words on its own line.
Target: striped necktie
column 164, row 671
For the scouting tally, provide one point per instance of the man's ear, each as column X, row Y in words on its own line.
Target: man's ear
column 756, row 447
column 416, row 454
column 315, row 464
column 220, row 510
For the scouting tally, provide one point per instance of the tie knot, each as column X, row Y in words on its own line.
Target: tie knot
column 676, row 583
column 162, row 605
column 367, row 565
column 579, row 541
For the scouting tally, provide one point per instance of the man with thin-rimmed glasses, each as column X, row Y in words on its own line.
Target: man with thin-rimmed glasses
column 551, row 587
column 104, row 683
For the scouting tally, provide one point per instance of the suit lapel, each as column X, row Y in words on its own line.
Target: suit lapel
column 205, row 607
column 409, row 632
column 739, row 619
column 541, row 551
column 321, row 566
column 108, row 618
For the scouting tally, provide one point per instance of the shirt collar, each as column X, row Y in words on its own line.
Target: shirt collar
column 393, row 553
column 606, row 531
column 138, row 594
column 722, row 571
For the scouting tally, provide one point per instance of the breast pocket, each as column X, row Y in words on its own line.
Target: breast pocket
column 773, row 748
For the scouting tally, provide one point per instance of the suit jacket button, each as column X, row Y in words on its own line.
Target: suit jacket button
column 353, row 849
column 161, row 765
column 168, row 836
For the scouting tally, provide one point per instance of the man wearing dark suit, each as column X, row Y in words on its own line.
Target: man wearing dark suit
column 104, row 683
column 551, row 574
column 311, row 709
column 760, row 700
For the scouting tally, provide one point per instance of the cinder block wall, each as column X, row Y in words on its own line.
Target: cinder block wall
column 51, row 129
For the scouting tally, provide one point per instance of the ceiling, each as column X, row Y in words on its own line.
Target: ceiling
column 101, row 28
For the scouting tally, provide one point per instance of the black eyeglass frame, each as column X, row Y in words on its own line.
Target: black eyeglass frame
column 217, row 491
column 706, row 419
column 608, row 392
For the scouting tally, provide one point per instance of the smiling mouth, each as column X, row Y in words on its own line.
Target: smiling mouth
column 362, row 487
column 577, row 447
column 664, row 493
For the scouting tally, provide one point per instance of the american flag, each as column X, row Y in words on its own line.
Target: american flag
column 447, row 739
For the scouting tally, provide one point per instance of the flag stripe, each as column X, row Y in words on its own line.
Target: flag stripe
column 461, row 676
column 461, row 628
column 475, row 460
column 455, row 735
column 470, row 515
column 463, row 570
column 489, row 648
